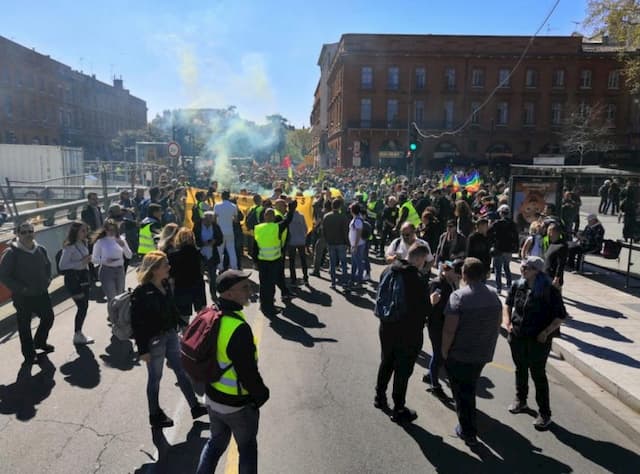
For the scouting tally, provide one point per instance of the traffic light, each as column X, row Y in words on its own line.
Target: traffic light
column 413, row 139
column 409, row 156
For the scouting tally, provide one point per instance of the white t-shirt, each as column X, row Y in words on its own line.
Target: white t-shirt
column 226, row 212
column 354, row 226
column 399, row 248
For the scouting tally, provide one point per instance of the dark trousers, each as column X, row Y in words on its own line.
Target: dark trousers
column 280, row 282
column 26, row 306
column 212, row 267
column 319, row 251
column 464, row 377
column 435, row 336
column 603, row 205
column 398, row 357
column 388, row 234
column 269, row 274
column 529, row 355
column 302, row 253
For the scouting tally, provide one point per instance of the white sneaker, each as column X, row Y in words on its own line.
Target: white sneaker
column 79, row 338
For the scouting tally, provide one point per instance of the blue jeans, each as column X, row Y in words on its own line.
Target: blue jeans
column 337, row 254
column 500, row 262
column 163, row 346
column 244, row 426
column 357, row 263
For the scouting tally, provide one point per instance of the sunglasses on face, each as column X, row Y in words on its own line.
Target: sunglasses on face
column 407, row 235
column 25, row 232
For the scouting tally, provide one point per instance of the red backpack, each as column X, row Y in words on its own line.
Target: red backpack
column 199, row 345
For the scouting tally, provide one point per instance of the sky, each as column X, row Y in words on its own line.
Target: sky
column 260, row 56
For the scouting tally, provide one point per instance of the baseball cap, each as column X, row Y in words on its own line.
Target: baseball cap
column 229, row 278
column 535, row 263
column 455, row 265
column 503, row 209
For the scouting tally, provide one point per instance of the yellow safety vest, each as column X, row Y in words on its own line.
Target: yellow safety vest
column 229, row 382
column 413, row 216
column 285, row 233
column 371, row 213
column 146, row 243
column 268, row 240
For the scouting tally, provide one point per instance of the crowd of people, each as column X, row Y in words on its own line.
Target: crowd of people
column 418, row 227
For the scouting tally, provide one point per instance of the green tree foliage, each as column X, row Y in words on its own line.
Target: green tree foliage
column 298, row 144
column 586, row 130
column 620, row 21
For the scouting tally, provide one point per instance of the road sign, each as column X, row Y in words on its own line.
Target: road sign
column 174, row 149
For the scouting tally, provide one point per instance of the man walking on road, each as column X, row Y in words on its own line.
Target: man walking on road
column 234, row 400
column 401, row 341
column 25, row 269
column 471, row 324
column 227, row 213
column 335, row 228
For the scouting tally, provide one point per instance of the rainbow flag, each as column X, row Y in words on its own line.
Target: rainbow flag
column 470, row 182
column 447, row 178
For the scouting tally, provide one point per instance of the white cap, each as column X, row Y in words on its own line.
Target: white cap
column 503, row 209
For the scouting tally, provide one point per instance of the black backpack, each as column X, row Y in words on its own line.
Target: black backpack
column 57, row 258
column 391, row 301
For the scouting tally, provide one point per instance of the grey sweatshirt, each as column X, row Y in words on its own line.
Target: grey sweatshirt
column 25, row 272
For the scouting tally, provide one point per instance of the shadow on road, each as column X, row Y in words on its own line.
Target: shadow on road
column 359, row 301
column 609, row 456
column 603, row 331
column 22, row 396
column 441, row 455
column 589, row 308
column 516, row 453
column 314, row 296
column 182, row 457
column 602, row 352
column 83, row 372
column 484, row 384
column 120, row 355
column 295, row 333
column 302, row 317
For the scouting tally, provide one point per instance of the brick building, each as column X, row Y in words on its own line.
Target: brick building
column 45, row 102
column 376, row 85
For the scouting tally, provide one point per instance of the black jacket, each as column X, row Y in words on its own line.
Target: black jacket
column 451, row 249
column 217, row 237
column 416, row 288
column 152, row 313
column 555, row 259
column 88, row 216
column 478, row 246
column 503, row 235
column 241, row 350
column 186, row 266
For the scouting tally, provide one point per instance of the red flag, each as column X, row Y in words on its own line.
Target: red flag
column 286, row 162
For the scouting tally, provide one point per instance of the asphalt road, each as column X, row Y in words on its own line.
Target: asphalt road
column 84, row 410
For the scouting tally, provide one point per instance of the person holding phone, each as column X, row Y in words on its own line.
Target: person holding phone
column 74, row 265
column 109, row 252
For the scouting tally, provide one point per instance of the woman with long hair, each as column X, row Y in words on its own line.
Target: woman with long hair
column 429, row 228
column 464, row 217
column 186, row 274
column 109, row 252
column 154, row 319
column 74, row 265
column 168, row 232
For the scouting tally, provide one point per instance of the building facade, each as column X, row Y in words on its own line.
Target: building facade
column 45, row 102
column 468, row 99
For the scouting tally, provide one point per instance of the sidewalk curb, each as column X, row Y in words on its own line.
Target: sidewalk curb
column 628, row 399
column 606, row 405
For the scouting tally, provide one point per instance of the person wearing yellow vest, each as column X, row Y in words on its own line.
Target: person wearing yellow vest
column 408, row 212
column 268, row 255
column 280, row 209
column 233, row 401
column 150, row 230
